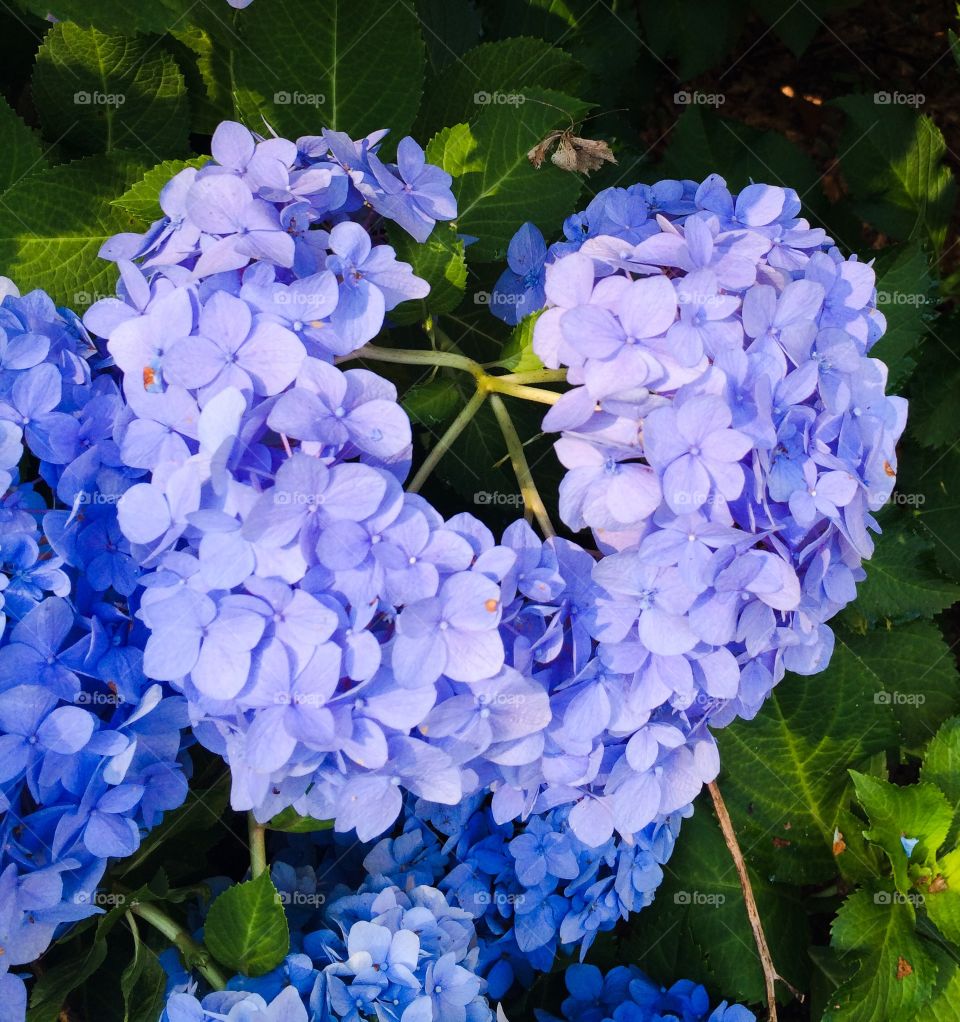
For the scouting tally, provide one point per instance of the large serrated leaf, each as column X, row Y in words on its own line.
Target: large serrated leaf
column 945, row 1005
column 97, row 93
column 904, row 296
column 902, row 579
column 246, row 928
column 53, row 223
column 696, row 32
column 604, row 36
column 797, row 25
column 784, row 772
column 145, row 16
column 941, row 899
column 336, row 64
column 896, row 973
column 497, row 189
column 932, row 422
column 893, row 165
column 941, row 765
column 450, row 28
column 498, row 74
column 918, row 672
column 931, row 480
column 20, row 151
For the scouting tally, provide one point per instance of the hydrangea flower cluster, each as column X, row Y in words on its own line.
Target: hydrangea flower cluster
column 380, row 953
column 727, row 436
column 625, row 994
column 90, row 751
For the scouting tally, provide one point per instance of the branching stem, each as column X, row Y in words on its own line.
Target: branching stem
column 517, row 385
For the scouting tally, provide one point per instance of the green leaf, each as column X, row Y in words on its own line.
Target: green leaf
column 337, row 64
column 605, row 37
column 914, row 811
column 931, row 479
column 941, row 765
column 20, row 151
column 143, row 984
column 904, row 296
column 441, row 262
column 698, row 926
column 58, row 981
column 53, row 222
column 941, row 898
column 246, row 927
column 896, row 972
column 152, row 16
column 918, row 672
column 142, row 200
column 932, row 421
column 497, row 73
column 291, row 822
column 797, row 25
column 784, row 773
column 893, row 164
column 698, row 33
column 432, row 403
column 496, row 187
column 518, row 354
column 902, row 579
column 702, row 142
column 859, row 861
column 945, row 1006
column 204, row 50
column 450, row 28
column 97, row 93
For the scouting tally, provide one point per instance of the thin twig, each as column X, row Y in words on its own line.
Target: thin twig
column 528, row 488
column 770, row 974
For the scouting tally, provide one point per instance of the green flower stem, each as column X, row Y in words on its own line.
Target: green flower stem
column 445, row 442
column 195, row 955
column 506, row 385
column 257, row 839
column 528, row 488
column 422, row 358
column 538, row 376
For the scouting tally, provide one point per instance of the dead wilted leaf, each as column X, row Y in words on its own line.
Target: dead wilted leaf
column 574, row 154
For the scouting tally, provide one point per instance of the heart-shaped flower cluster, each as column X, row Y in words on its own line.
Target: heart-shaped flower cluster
column 726, row 434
